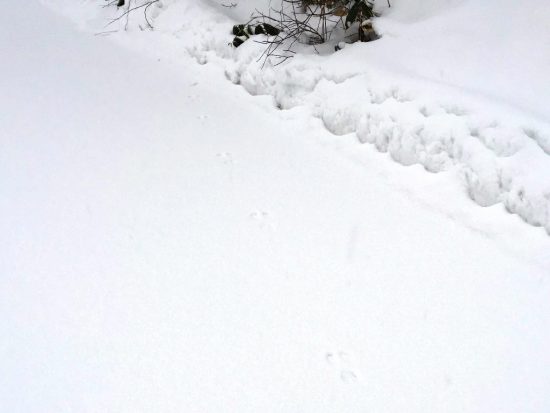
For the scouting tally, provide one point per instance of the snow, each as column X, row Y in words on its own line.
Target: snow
column 173, row 243
column 450, row 86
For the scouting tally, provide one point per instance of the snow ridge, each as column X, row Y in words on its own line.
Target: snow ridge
column 499, row 161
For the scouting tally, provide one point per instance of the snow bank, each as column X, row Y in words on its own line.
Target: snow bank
column 452, row 85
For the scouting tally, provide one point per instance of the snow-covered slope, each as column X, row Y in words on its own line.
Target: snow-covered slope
column 498, row 49
column 452, row 85
column 170, row 243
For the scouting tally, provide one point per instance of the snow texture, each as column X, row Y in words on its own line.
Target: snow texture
column 451, row 85
column 170, row 243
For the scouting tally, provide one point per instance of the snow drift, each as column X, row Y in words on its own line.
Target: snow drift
column 452, row 85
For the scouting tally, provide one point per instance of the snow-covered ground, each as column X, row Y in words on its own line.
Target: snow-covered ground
column 457, row 85
column 172, row 243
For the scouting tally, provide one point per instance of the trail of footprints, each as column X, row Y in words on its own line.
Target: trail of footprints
column 415, row 131
column 502, row 141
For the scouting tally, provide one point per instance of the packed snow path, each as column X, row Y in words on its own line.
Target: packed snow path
column 172, row 244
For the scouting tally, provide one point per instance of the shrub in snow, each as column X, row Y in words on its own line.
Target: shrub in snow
column 313, row 22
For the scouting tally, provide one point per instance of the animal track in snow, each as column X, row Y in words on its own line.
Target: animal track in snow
column 386, row 116
column 225, row 157
column 501, row 141
column 262, row 219
column 341, row 361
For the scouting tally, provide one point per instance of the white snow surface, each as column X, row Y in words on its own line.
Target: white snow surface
column 452, row 84
column 172, row 242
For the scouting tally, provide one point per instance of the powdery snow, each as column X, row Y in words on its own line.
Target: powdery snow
column 171, row 243
column 452, row 85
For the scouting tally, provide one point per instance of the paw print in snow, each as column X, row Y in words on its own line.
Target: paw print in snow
column 258, row 216
column 262, row 219
column 225, row 157
column 341, row 361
